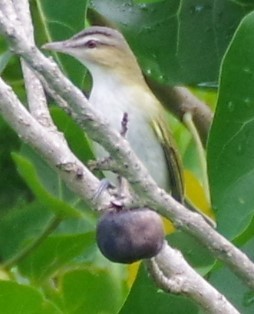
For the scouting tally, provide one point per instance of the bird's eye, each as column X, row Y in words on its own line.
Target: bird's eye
column 91, row 43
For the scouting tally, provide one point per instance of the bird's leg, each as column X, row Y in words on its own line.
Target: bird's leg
column 104, row 185
column 121, row 189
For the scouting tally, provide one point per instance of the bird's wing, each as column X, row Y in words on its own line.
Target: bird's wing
column 173, row 159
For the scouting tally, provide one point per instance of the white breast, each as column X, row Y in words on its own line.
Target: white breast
column 112, row 103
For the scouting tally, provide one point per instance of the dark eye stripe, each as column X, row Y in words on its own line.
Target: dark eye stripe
column 91, row 43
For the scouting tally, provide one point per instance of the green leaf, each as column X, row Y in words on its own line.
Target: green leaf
column 54, row 253
column 4, row 59
column 74, row 135
column 19, row 299
column 92, row 291
column 48, row 176
column 147, row 1
column 231, row 143
column 197, row 255
column 20, row 225
column 181, row 42
column 145, row 297
column 28, row 172
column 232, row 287
column 12, row 188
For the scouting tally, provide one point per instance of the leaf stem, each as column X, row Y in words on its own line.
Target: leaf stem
column 188, row 120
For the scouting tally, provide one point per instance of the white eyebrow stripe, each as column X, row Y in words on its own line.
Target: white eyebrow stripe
column 81, row 41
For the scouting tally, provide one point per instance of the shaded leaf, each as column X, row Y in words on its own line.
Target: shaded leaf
column 231, row 143
column 145, row 297
column 4, row 59
column 28, row 173
column 75, row 136
column 177, row 41
column 232, row 287
column 12, row 188
column 19, row 226
column 54, row 253
column 196, row 254
column 60, row 24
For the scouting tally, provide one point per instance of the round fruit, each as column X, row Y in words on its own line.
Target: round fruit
column 127, row 236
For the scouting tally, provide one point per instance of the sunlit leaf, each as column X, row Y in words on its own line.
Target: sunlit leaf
column 196, row 194
column 92, row 291
column 20, row 299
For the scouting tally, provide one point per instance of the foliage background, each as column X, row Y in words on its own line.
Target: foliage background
column 47, row 235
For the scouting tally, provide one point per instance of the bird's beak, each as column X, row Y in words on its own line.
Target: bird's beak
column 60, row 46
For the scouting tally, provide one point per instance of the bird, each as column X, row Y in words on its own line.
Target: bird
column 119, row 87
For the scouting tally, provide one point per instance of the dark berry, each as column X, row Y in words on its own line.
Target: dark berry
column 127, row 236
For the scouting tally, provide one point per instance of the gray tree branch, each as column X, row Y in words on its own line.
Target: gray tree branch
column 36, row 98
column 178, row 277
